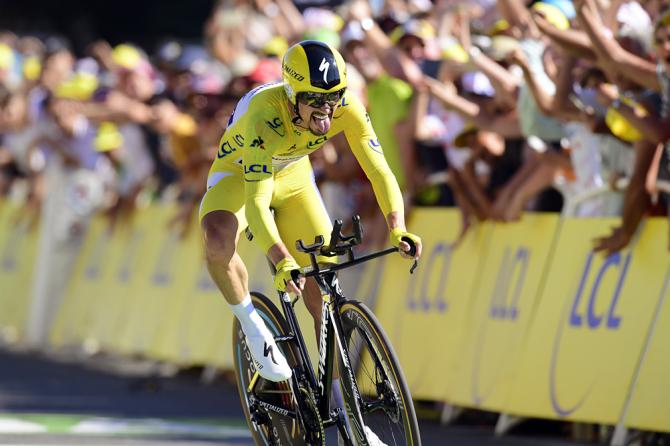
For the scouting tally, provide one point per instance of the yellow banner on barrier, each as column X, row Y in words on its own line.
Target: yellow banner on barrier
column 149, row 281
column 93, row 310
column 18, row 254
column 509, row 282
column 430, row 305
column 589, row 329
column 649, row 406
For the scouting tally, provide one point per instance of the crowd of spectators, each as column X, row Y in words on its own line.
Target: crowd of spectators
column 496, row 107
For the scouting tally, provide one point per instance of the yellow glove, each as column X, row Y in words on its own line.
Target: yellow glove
column 283, row 274
column 398, row 234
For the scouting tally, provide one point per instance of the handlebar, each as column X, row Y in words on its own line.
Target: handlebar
column 412, row 246
column 341, row 244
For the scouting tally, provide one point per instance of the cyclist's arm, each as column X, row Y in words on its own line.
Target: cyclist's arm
column 368, row 151
column 259, row 186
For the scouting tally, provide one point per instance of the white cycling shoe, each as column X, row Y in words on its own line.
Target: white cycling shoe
column 373, row 439
column 269, row 360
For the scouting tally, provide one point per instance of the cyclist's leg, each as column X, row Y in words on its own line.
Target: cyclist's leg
column 301, row 214
column 222, row 220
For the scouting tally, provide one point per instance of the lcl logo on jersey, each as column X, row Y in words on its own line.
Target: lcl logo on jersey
column 318, row 142
column 277, row 126
column 257, row 168
column 239, row 140
column 225, row 149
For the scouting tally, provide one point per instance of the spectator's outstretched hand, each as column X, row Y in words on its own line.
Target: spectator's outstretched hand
column 360, row 10
column 517, row 57
column 612, row 243
column 606, row 94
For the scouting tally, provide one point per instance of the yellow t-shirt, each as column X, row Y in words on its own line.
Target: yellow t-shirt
column 261, row 140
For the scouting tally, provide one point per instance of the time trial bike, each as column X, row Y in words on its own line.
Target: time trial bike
column 379, row 408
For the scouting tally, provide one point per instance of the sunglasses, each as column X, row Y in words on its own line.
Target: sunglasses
column 317, row 100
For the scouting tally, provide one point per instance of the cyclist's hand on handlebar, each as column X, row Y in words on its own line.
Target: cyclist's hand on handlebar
column 283, row 278
column 407, row 242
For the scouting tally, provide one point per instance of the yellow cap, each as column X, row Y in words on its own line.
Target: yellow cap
column 553, row 15
column 663, row 20
column 452, row 50
column 499, row 27
column 126, row 56
column 185, row 125
column 32, row 68
column 6, row 57
column 80, row 87
column 419, row 28
column 620, row 126
column 276, row 46
column 108, row 137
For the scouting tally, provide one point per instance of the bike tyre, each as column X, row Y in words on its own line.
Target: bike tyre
column 283, row 431
column 356, row 317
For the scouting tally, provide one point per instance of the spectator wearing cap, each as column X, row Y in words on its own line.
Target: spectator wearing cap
column 652, row 126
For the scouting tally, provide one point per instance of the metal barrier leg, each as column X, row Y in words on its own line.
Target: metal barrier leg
column 209, row 374
column 620, row 435
column 449, row 413
column 506, row 422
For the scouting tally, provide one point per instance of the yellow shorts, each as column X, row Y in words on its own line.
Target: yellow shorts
column 297, row 204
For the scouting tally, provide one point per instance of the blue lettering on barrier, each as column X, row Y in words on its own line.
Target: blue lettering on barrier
column 124, row 273
column 438, row 302
column 502, row 307
column 593, row 320
column 92, row 271
column 575, row 320
column 163, row 271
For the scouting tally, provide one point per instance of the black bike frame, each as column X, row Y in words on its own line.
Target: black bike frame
column 326, row 278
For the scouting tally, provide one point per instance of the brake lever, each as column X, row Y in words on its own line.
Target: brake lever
column 414, row 266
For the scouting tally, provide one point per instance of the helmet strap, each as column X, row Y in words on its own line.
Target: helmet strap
column 296, row 119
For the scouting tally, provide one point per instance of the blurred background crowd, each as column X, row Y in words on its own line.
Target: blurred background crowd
column 494, row 106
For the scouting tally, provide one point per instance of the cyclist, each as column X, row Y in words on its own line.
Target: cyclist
column 262, row 164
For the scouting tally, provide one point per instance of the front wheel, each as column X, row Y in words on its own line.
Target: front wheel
column 384, row 404
column 267, row 428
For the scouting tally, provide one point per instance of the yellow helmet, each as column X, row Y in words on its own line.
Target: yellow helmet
column 311, row 66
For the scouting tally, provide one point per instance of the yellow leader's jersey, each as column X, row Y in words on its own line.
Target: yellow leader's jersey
column 261, row 140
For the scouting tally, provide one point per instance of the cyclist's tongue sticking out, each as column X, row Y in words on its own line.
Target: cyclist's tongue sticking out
column 320, row 121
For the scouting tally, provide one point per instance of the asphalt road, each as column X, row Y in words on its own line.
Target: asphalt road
column 113, row 401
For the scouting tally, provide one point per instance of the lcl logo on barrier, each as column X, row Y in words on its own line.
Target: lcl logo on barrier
column 505, row 306
column 439, row 262
column 577, row 317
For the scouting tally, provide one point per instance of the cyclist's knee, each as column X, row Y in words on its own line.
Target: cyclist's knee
column 220, row 233
column 313, row 299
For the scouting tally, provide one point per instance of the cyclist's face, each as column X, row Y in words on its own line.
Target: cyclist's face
column 317, row 110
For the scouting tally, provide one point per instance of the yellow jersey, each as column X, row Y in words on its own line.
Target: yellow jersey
column 261, row 140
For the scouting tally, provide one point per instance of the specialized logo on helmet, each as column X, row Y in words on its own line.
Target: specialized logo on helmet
column 294, row 74
column 324, row 67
